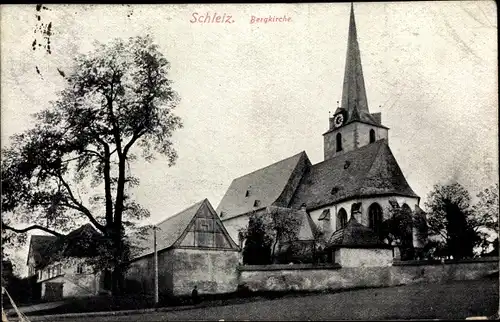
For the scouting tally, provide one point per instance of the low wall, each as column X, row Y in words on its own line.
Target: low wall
column 179, row 270
column 74, row 285
column 212, row 271
column 334, row 277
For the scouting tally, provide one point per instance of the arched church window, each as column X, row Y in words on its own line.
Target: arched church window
column 375, row 217
column 341, row 219
column 339, row 142
column 372, row 136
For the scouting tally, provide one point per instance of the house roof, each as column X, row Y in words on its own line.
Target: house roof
column 267, row 185
column 170, row 230
column 366, row 171
column 38, row 248
column 355, row 235
column 45, row 249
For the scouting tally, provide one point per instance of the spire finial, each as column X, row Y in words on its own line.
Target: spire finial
column 353, row 92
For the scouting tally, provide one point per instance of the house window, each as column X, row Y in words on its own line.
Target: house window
column 59, row 269
column 40, row 274
column 247, row 193
column 375, row 217
column 256, row 203
column 372, row 136
column 339, row 142
column 341, row 218
column 52, row 271
column 79, row 269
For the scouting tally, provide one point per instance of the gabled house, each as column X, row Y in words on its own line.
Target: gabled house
column 59, row 264
column 193, row 249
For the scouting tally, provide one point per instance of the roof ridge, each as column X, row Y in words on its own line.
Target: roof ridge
column 364, row 147
column 44, row 236
column 199, row 203
column 381, row 143
column 268, row 166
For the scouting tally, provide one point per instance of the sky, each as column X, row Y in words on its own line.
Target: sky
column 255, row 93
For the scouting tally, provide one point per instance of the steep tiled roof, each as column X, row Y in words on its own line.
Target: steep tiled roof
column 267, row 185
column 76, row 243
column 355, row 234
column 39, row 245
column 366, row 171
column 171, row 229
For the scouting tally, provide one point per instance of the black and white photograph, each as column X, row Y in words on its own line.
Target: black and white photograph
column 250, row 162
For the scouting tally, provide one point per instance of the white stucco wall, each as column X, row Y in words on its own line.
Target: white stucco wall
column 233, row 226
column 75, row 284
column 363, row 134
column 348, row 141
column 354, row 135
column 365, row 204
column 361, row 257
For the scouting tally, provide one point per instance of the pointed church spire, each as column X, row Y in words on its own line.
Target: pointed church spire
column 353, row 92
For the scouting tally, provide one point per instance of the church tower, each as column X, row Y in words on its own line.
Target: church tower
column 352, row 126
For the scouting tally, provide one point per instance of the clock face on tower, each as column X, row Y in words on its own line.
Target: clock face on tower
column 338, row 120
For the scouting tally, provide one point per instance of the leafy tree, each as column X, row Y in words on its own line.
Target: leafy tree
column 118, row 101
column 282, row 226
column 319, row 245
column 257, row 249
column 485, row 218
column 266, row 230
column 398, row 228
column 450, row 218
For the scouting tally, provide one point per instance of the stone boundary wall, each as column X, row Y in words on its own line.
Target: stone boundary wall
column 333, row 277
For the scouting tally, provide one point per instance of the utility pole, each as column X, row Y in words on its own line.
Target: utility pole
column 156, row 266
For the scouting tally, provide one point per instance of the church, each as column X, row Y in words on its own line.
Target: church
column 359, row 179
column 346, row 198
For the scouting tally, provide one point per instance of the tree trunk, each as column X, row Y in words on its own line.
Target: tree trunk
column 273, row 257
column 117, row 274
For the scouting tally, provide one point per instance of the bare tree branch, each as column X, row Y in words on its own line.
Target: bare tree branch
column 80, row 206
column 32, row 227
